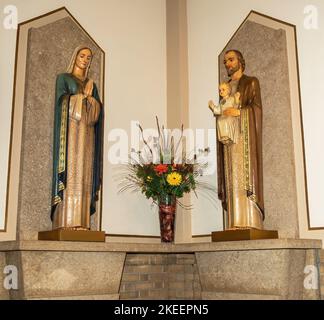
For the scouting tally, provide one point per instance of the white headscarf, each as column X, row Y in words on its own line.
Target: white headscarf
column 73, row 59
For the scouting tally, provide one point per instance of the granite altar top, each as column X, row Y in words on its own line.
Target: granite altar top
column 271, row 244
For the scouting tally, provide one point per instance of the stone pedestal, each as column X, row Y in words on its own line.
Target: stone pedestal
column 63, row 270
column 266, row 270
column 256, row 269
column 245, row 234
column 72, row 235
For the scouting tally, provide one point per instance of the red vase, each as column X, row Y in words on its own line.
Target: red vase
column 167, row 211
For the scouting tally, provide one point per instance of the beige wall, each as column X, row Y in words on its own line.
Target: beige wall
column 210, row 26
column 133, row 35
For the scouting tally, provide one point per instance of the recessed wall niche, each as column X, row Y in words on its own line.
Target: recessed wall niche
column 44, row 49
column 269, row 48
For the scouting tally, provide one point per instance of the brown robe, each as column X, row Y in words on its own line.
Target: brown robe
column 249, row 89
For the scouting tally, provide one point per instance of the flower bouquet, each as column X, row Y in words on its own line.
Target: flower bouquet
column 164, row 174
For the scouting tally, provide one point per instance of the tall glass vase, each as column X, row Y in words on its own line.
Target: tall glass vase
column 167, row 211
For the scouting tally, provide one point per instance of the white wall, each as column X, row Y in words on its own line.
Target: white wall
column 133, row 35
column 211, row 23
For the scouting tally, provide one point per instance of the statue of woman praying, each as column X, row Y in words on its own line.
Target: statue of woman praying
column 77, row 150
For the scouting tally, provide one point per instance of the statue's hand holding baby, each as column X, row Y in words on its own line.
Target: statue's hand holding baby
column 232, row 112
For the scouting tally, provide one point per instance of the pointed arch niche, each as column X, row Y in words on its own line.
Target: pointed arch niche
column 44, row 48
column 269, row 47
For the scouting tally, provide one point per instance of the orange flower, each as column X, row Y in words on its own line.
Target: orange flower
column 161, row 168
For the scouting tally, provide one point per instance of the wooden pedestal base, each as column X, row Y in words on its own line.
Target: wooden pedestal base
column 247, row 234
column 72, row 235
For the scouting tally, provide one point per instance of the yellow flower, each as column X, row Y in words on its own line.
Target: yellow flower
column 174, row 179
column 149, row 179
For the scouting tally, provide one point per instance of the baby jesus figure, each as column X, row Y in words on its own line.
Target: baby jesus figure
column 228, row 126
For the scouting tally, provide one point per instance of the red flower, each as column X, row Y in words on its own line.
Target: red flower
column 161, row 168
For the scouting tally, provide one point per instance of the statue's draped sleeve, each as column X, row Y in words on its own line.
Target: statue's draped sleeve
column 62, row 101
column 98, row 154
column 249, row 88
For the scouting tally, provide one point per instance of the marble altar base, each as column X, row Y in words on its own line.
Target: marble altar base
column 257, row 269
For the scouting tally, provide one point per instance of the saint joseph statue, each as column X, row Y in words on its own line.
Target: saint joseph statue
column 240, row 179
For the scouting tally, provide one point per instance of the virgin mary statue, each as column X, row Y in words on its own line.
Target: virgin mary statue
column 77, row 151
